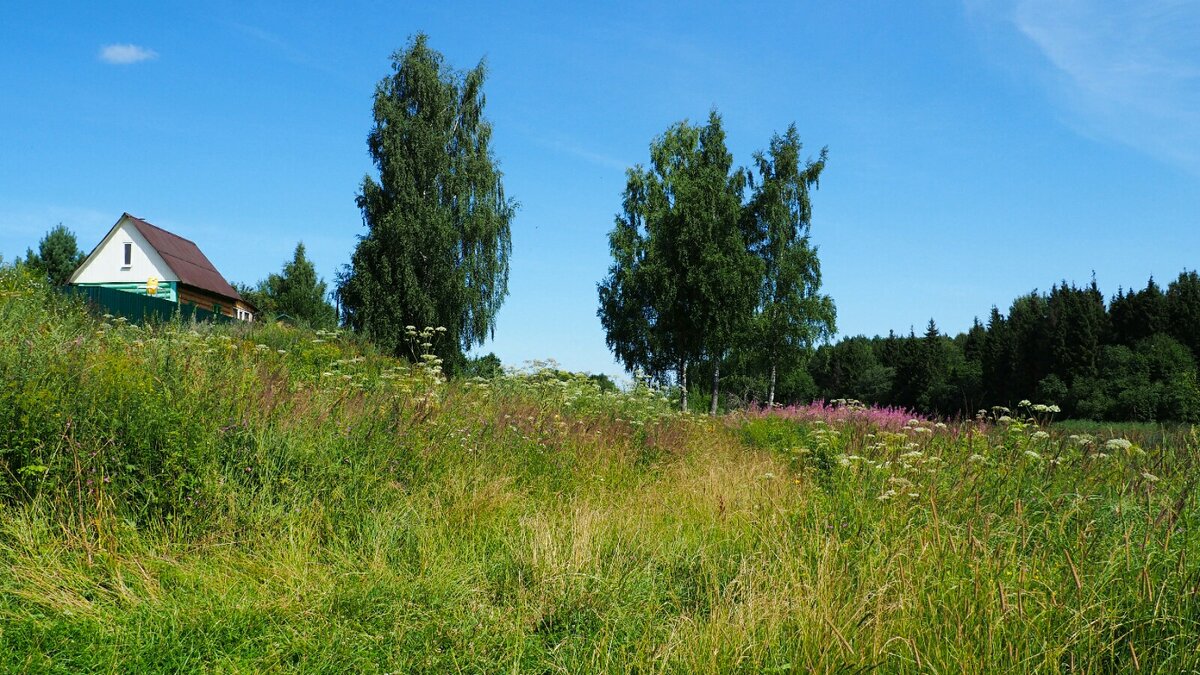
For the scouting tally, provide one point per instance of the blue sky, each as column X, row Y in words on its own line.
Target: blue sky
column 978, row 150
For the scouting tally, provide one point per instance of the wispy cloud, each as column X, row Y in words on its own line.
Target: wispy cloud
column 563, row 144
column 283, row 48
column 1128, row 71
column 125, row 54
column 599, row 159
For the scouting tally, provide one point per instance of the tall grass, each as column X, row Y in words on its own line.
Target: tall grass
column 258, row 499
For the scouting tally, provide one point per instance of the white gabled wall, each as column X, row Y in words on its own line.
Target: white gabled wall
column 107, row 263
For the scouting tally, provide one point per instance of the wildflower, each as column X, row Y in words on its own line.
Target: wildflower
column 886, row 495
column 1149, row 477
column 977, row 458
column 1040, row 435
column 940, row 425
column 1024, row 403
column 1117, row 444
column 281, row 351
column 1032, row 455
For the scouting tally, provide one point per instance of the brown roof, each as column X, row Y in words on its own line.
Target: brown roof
column 185, row 259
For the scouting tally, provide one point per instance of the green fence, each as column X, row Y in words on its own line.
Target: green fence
column 138, row 308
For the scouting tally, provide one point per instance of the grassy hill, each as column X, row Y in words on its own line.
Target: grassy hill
column 254, row 499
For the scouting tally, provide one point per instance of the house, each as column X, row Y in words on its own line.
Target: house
column 137, row 257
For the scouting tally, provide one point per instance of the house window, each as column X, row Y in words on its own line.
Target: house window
column 128, row 253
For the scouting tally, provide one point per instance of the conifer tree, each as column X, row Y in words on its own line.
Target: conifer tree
column 58, row 255
column 1182, row 303
column 299, row 293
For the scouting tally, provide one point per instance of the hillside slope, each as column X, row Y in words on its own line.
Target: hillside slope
column 255, row 499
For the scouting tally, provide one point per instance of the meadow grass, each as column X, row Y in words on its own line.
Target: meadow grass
column 185, row 498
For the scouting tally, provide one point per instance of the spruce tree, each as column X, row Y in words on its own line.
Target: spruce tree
column 1182, row 303
column 298, row 292
column 58, row 255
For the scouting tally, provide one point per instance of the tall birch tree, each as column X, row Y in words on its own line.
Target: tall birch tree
column 438, row 238
column 792, row 313
column 683, row 283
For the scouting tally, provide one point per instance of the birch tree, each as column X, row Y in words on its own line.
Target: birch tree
column 438, row 238
column 792, row 313
column 683, row 283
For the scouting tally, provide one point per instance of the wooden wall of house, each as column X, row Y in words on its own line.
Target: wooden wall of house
column 205, row 300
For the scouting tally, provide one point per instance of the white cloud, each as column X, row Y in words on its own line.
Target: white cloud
column 1124, row 70
column 126, row 54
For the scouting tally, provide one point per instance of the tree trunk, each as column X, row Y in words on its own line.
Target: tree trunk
column 771, row 390
column 712, row 406
column 683, row 386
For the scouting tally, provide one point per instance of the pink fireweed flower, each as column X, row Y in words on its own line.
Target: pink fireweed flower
column 889, row 418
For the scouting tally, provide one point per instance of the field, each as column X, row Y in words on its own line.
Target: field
column 231, row 499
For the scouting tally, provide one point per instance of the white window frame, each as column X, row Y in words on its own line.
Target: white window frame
column 127, row 255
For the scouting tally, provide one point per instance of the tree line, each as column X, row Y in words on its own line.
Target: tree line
column 1133, row 358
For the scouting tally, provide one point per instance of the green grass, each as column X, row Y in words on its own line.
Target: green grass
column 327, row 509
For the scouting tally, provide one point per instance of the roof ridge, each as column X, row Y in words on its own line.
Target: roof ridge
column 150, row 224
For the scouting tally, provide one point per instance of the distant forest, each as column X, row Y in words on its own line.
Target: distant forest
column 1131, row 359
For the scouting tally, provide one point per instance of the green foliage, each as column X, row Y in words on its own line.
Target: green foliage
column 296, row 292
column 58, row 255
column 682, row 281
column 285, row 500
column 487, row 366
column 1182, row 305
column 792, row 314
column 438, row 235
column 701, row 277
column 1131, row 360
